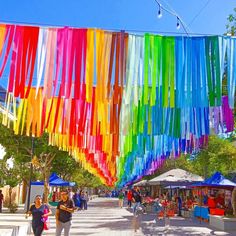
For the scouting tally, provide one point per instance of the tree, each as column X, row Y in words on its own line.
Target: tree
column 65, row 166
column 219, row 155
column 231, row 25
column 46, row 159
column 84, row 179
column 19, row 148
column 11, row 177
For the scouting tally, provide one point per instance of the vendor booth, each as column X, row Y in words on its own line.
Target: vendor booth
column 217, row 190
column 174, row 184
column 142, row 183
column 54, row 181
column 175, row 177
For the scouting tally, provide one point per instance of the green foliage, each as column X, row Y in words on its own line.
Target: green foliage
column 220, row 155
column 84, row 179
column 18, row 147
column 10, row 176
column 47, row 159
column 231, row 25
column 65, row 166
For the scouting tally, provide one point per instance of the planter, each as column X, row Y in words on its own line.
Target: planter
column 223, row 223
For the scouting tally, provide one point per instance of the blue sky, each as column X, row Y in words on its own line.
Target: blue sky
column 205, row 16
column 139, row 15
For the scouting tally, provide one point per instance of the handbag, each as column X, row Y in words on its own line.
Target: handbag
column 45, row 219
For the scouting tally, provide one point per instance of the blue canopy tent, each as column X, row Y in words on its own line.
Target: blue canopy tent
column 55, row 180
column 217, row 180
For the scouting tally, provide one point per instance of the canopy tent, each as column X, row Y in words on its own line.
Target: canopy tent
column 142, row 183
column 217, row 180
column 55, row 180
column 175, row 177
column 177, row 187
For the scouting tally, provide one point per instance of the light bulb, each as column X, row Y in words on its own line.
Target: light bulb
column 178, row 24
column 159, row 13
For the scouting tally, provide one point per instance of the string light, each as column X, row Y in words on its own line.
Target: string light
column 179, row 21
column 159, row 15
column 178, row 24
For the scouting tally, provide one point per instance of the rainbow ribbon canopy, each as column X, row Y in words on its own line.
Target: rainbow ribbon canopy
column 119, row 103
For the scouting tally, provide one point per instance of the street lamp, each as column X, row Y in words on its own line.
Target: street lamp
column 31, row 171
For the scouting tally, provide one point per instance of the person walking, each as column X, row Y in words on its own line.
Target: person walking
column 129, row 198
column 86, row 198
column 40, row 213
column 83, row 201
column 137, row 199
column 64, row 211
column 76, row 199
column 121, row 199
column 1, row 200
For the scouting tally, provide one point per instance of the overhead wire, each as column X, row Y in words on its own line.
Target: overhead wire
column 136, row 31
column 199, row 12
column 174, row 14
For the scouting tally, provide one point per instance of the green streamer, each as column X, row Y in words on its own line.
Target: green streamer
column 209, row 74
column 154, row 53
column 165, row 72
column 217, row 71
column 171, row 43
column 146, row 66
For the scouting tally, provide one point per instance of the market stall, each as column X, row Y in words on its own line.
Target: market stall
column 55, row 181
column 214, row 197
column 174, row 184
column 172, row 178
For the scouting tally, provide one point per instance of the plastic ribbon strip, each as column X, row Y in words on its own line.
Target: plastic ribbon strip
column 120, row 104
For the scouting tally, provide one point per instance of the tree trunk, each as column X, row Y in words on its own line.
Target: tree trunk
column 46, row 176
column 46, row 159
column 10, row 193
column 24, row 191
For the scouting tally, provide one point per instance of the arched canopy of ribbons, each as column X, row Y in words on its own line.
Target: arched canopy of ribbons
column 119, row 103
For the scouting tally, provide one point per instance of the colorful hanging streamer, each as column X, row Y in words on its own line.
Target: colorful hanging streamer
column 120, row 104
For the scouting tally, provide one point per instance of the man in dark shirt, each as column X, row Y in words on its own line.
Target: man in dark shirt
column 137, row 199
column 64, row 211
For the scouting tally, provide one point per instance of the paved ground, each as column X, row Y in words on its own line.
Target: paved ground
column 105, row 218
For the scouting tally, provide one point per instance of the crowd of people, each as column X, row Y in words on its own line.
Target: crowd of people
column 164, row 204
column 178, row 203
column 80, row 197
column 135, row 198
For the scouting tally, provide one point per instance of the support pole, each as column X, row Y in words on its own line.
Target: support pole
column 31, row 171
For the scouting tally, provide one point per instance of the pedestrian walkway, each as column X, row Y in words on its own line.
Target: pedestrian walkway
column 178, row 226
column 105, row 218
